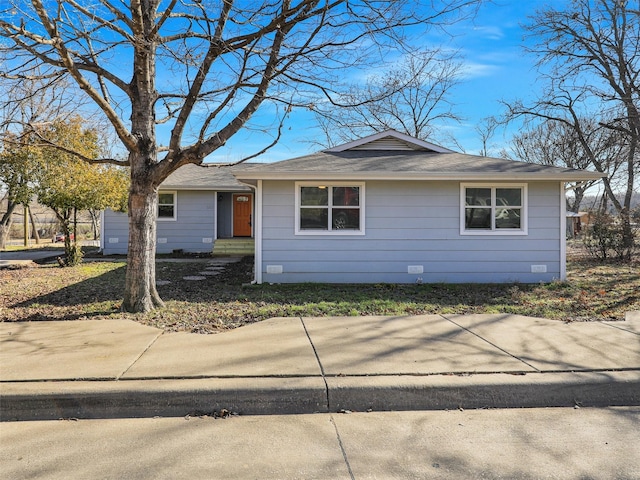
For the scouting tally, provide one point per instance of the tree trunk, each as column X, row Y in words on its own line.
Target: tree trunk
column 34, row 227
column 577, row 201
column 5, row 223
column 95, row 222
column 140, row 284
column 140, row 289
column 64, row 217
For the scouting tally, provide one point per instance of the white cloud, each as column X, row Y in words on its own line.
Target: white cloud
column 491, row 32
column 476, row 69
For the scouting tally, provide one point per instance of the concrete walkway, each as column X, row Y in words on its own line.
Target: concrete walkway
column 119, row 368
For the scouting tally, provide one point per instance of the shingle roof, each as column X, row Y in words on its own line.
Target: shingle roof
column 205, row 177
column 367, row 164
column 388, row 155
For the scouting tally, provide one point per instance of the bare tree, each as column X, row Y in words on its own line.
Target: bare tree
column 557, row 144
column 203, row 68
column 412, row 97
column 589, row 54
column 486, row 129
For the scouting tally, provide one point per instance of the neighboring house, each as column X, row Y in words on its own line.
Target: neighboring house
column 389, row 208
column 197, row 205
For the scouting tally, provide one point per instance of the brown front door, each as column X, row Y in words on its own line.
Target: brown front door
column 242, row 210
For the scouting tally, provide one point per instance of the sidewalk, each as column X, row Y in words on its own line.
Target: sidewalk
column 118, row 368
column 25, row 257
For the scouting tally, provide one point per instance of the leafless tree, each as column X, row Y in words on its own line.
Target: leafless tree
column 203, row 68
column 589, row 58
column 486, row 129
column 412, row 97
column 557, row 144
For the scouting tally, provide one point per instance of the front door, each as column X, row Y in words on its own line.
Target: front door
column 242, row 210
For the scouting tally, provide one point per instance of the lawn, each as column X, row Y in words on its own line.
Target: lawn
column 94, row 290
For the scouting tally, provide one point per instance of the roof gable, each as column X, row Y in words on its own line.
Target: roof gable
column 390, row 140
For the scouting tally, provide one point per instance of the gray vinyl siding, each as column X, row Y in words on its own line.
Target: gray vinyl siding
column 116, row 232
column 193, row 230
column 411, row 223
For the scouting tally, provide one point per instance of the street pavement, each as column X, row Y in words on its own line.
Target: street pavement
column 25, row 257
column 43, row 252
column 546, row 443
column 119, row 368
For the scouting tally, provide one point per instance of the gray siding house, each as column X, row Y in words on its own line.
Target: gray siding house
column 197, row 205
column 389, row 208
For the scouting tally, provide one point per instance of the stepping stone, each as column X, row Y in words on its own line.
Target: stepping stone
column 159, row 283
column 209, row 273
column 194, row 277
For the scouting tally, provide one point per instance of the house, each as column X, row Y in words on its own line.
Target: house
column 387, row 208
column 390, row 208
column 196, row 206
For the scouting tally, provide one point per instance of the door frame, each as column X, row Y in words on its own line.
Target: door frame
column 233, row 213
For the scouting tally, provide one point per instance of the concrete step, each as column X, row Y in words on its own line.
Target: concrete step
column 234, row 246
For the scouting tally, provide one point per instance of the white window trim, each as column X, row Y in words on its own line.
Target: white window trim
column 524, row 227
column 175, row 206
column 340, row 232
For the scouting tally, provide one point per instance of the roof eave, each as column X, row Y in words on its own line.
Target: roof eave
column 459, row 176
column 220, row 188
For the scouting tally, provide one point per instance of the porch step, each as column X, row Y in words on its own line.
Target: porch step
column 234, row 246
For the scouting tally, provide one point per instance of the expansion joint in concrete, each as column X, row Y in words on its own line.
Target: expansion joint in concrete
column 153, row 340
column 315, row 352
column 491, row 343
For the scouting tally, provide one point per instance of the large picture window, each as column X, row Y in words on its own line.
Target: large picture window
column 167, row 206
column 330, row 208
column 493, row 209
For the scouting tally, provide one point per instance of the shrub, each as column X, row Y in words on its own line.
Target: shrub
column 607, row 239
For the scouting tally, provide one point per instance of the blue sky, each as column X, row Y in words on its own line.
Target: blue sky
column 495, row 66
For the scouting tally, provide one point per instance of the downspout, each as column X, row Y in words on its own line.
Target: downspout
column 563, row 232
column 101, row 231
column 215, row 220
column 257, row 231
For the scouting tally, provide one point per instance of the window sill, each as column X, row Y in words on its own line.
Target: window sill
column 331, row 233
column 494, row 233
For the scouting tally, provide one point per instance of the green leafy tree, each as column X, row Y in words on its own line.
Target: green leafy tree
column 27, row 102
column 110, row 190
column 67, row 184
column 18, row 169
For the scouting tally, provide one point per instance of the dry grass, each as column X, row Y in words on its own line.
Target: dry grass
column 93, row 290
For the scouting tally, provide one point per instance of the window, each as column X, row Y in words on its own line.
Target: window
column 335, row 209
column 493, row 209
column 167, row 206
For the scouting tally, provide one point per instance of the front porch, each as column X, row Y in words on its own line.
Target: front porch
column 234, row 246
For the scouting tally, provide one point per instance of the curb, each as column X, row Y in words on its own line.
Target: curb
column 160, row 398
column 277, row 396
column 449, row 392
